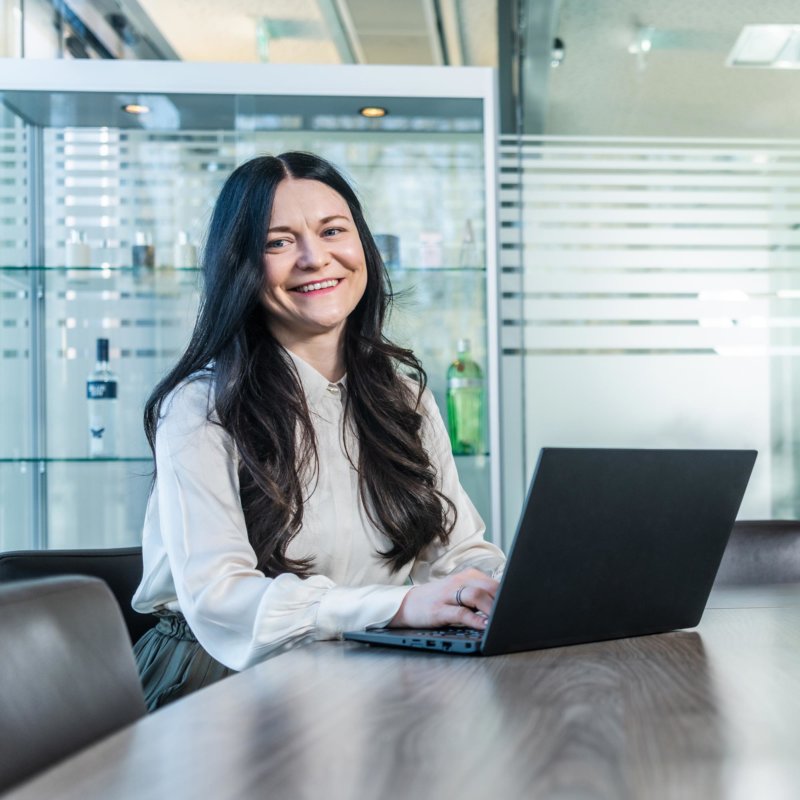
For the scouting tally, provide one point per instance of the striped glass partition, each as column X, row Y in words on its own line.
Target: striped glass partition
column 650, row 296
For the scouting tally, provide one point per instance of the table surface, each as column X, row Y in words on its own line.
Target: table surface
column 708, row 713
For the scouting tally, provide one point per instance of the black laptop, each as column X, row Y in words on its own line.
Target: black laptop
column 611, row 543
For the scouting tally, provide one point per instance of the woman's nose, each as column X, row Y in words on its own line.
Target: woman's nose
column 312, row 254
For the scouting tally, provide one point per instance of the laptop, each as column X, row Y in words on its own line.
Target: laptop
column 611, row 543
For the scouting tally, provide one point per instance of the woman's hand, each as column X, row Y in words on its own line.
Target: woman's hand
column 435, row 604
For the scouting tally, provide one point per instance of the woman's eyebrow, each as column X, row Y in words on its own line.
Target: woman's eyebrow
column 323, row 221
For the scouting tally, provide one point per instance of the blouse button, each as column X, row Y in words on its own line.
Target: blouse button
column 333, row 389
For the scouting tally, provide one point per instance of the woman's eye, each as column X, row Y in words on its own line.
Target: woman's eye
column 332, row 231
column 276, row 244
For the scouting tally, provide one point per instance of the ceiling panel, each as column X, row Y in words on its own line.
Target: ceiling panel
column 681, row 87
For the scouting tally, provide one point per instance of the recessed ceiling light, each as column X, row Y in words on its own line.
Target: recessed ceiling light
column 136, row 108
column 373, row 112
column 767, row 46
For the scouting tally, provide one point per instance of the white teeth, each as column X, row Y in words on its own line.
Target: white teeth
column 313, row 287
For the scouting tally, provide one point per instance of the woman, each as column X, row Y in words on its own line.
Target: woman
column 304, row 486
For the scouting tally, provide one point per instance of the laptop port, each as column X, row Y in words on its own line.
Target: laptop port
column 430, row 643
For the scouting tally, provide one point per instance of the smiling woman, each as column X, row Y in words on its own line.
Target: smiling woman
column 304, row 485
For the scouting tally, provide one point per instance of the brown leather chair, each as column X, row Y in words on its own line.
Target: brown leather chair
column 761, row 552
column 67, row 672
column 120, row 568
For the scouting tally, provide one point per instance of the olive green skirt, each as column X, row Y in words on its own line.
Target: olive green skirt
column 172, row 663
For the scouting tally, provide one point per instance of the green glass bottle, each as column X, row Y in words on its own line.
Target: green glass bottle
column 465, row 403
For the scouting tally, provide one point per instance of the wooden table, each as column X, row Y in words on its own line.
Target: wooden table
column 710, row 713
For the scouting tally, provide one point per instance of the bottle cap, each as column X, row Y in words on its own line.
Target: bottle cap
column 102, row 349
column 183, row 237
column 463, row 346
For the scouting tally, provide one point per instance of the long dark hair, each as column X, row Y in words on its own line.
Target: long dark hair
column 258, row 398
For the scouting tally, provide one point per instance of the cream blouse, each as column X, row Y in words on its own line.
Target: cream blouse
column 198, row 560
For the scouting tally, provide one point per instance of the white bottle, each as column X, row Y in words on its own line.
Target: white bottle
column 184, row 254
column 101, row 399
column 78, row 254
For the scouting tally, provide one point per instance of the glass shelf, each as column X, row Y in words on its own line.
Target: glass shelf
column 147, row 271
column 77, row 460
column 135, row 459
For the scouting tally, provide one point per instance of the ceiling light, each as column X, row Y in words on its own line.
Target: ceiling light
column 136, row 108
column 373, row 112
column 767, row 46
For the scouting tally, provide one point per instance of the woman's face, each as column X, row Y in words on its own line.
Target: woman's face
column 314, row 263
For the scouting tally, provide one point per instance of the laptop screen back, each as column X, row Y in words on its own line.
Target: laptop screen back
column 616, row 543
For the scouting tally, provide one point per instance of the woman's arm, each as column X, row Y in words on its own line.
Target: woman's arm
column 465, row 569
column 466, row 546
column 238, row 615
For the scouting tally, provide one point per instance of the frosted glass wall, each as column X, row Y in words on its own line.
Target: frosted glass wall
column 650, row 298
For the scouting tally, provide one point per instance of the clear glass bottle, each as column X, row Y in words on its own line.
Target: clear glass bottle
column 465, row 403
column 101, row 399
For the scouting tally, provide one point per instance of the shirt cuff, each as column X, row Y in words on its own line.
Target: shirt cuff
column 352, row 609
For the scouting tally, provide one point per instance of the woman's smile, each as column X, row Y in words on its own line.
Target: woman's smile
column 317, row 287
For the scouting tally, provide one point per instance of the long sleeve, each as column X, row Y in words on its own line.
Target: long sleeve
column 238, row 615
column 466, row 546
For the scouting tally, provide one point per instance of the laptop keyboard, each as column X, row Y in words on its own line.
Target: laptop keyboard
column 449, row 633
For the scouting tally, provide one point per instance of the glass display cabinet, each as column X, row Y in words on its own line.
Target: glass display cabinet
column 108, row 174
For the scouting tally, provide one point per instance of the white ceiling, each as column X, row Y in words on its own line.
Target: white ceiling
column 682, row 87
column 380, row 31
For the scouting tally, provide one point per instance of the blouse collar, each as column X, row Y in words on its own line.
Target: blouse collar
column 315, row 385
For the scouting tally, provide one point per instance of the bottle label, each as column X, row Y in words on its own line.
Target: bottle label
column 464, row 383
column 101, row 390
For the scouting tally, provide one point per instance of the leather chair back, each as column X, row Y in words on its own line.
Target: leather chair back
column 67, row 672
column 761, row 552
column 120, row 568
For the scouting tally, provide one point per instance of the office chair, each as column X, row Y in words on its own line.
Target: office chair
column 761, row 551
column 67, row 672
column 120, row 568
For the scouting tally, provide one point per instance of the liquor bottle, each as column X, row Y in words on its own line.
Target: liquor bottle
column 465, row 403
column 101, row 398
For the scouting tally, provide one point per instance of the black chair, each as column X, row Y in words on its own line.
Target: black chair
column 67, row 672
column 120, row 568
column 761, row 552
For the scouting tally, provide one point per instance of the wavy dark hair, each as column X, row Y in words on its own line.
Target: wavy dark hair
column 258, row 398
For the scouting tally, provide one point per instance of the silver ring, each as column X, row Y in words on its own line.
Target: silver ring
column 458, row 596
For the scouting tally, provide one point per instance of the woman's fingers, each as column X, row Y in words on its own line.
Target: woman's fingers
column 465, row 598
column 466, row 616
column 476, row 598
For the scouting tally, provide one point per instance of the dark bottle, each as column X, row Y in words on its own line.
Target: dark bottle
column 101, row 399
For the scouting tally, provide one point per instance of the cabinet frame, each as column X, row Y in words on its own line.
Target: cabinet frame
column 373, row 84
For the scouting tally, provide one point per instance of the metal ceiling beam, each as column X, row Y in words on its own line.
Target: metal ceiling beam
column 450, row 31
column 342, row 31
column 525, row 29
column 433, row 22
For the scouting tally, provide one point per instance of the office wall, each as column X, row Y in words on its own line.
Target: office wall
column 650, row 298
